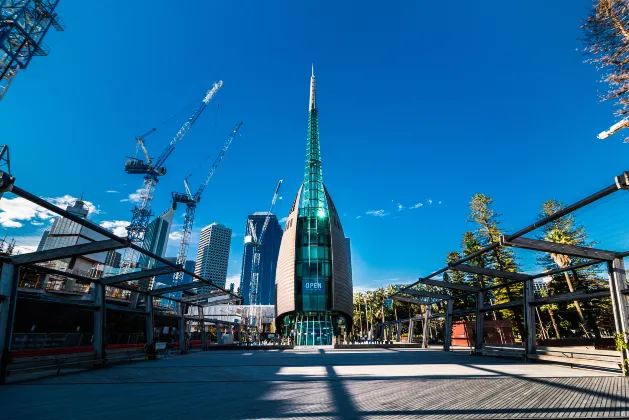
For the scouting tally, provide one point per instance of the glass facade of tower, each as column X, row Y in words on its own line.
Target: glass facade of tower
column 314, row 280
column 313, row 259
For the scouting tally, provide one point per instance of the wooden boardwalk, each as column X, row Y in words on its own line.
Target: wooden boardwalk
column 322, row 384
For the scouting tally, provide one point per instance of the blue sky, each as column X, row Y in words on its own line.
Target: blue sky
column 419, row 103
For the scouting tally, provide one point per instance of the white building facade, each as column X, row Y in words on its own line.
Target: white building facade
column 213, row 254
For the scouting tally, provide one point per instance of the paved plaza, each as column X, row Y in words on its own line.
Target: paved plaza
column 321, row 384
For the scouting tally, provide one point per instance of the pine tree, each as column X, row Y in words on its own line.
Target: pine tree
column 565, row 230
column 500, row 258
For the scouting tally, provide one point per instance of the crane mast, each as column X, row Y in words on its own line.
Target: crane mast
column 141, row 213
column 257, row 243
column 191, row 205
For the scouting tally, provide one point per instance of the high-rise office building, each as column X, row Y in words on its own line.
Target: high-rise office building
column 314, row 276
column 269, row 251
column 113, row 259
column 42, row 241
column 64, row 233
column 156, row 238
column 213, row 255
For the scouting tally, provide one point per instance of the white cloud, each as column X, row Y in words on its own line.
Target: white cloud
column 416, row 206
column 133, row 197
column 112, row 191
column 175, row 236
column 283, row 219
column 429, row 201
column 400, row 207
column 116, row 226
column 439, row 202
column 377, row 213
column 13, row 212
column 358, row 217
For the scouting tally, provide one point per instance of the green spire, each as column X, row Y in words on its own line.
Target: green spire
column 313, row 198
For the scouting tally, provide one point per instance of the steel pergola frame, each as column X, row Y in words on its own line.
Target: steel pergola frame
column 13, row 266
column 618, row 288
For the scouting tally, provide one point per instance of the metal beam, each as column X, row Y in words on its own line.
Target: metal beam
column 507, row 305
column 409, row 300
column 619, row 183
column 67, row 252
column 489, row 272
column 447, row 285
column 220, row 302
column 564, row 249
column 463, row 312
column 48, row 270
column 569, row 268
column 428, row 294
column 138, row 275
column 565, row 297
column 178, row 288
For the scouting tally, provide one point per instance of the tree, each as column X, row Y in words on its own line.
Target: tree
column 500, row 258
column 606, row 42
column 565, row 230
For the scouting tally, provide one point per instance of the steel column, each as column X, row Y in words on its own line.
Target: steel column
column 409, row 340
column 202, row 328
column 182, row 328
column 398, row 338
column 150, row 320
column 618, row 283
column 9, row 278
column 480, row 322
column 530, row 325
column 100, row 319
column 448, row 325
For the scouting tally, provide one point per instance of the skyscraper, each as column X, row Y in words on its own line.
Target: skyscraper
column 314, row 278
column 42, row 241
column 213, row 255
column 65, row 232
column 269, row 251
column 156, row 238
column 113, row 259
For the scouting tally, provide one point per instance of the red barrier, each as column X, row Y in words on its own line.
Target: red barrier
column 122, row 346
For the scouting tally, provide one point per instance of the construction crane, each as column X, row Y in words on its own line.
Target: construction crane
column 191, row 201
column 152, row 171
column 6, row 180
column 23, row 26
column 256, row 242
